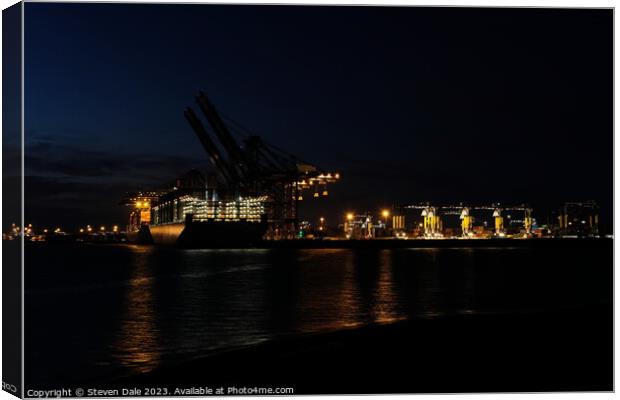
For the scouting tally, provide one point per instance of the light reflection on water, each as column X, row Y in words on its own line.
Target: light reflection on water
column 217, row 299
column 385, row 307
column 138, row 344
column 140, row 307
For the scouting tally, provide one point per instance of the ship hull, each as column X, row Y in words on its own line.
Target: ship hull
column 209, row 234
column 142, row 236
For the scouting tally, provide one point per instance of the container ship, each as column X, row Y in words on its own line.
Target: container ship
column 192, row 215
column 250, row 194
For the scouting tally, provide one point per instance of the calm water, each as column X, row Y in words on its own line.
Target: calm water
column 95, row 312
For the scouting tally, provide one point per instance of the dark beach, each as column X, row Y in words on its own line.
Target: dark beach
column 569, row 350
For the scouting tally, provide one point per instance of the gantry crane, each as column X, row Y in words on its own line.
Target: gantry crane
column 433, row 224
column 257, row 169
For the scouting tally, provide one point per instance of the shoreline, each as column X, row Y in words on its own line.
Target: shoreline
column 603, row 242
column 434, row 243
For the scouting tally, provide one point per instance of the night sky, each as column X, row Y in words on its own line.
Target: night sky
column 409, row 104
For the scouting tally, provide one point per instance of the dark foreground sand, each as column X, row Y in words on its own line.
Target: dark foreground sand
column 541, row 351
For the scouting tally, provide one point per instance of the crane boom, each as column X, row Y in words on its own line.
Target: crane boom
column 214, row 154
column 223, row 134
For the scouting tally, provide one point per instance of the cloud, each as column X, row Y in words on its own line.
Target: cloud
column 122, row 165
column 73, row 185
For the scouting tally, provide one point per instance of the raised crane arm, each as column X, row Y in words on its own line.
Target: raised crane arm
column 223, row 134
column 215, row 157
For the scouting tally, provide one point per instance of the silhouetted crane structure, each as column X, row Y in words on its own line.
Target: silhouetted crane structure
column 256, row 168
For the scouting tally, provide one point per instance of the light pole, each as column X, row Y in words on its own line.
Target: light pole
column 347, row 225
column 386, row 216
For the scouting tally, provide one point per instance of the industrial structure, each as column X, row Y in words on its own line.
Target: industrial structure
column 578, row 219
column 253, row 189
column 493, row 220
column 140, row 214
column 158, row 213
column 251, row 193
column 363, row 226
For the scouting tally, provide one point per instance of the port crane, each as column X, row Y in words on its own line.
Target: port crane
column 256, row 168
column 432, row 216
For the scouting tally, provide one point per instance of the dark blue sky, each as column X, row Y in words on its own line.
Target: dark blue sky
column 410, row 104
